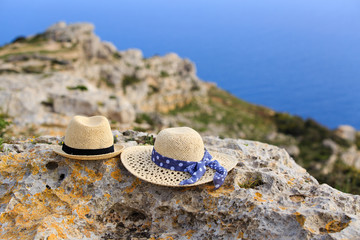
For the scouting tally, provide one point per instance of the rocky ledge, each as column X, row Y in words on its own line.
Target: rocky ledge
column 266, row 196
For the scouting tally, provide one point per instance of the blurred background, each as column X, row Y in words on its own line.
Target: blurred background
column 296, row 56
column 282, row 72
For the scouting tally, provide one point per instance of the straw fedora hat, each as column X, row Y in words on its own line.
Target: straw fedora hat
column 89, row 138
column 181, row 145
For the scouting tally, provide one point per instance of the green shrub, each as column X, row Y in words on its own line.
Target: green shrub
column 310, row 154
column 48, row 103
column 36, row 39
column 252, row 182
column 153, row 89
column 357, row 141
column 164, row 74
column 139, row 129
column 342, row 142
column 34, row 69
column 195, row 88
column 107, row 81
column 145, row 140
column 310, row 136
column 129, row 80
column 59, row 62
column 78, row 87
column 3, row 126
column 204, row 118
column 344, row 178
column 288, row 124
column 191, row 107
column 31, row 40
column 143, row 117
column 117, row 55
column 202, row 129
column 19, row 39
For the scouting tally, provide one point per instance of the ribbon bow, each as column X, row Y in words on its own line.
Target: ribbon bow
column 195, row 169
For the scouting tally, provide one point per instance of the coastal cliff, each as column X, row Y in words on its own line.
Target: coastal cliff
column 67, row 70
column 266, row 196
column 47, row 78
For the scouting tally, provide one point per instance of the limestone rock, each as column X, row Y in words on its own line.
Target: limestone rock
column 69, row 33
column 346, row 132
column 32, row 99
column 133, row 56
column 266, row 196
column 328, row 167
column 351, row 157
column 121, row 111
column 110, row 47
column 71, row 71
column 81, row 33
column 80, row 104
column 293, row 150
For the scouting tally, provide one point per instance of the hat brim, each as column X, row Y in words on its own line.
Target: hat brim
column 137, row 160
column 117, row 150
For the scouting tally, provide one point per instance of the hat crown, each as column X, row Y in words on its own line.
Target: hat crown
column 181, row 143
column 89, row 133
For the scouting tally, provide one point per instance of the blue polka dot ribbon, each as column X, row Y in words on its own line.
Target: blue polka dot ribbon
column 195, row 169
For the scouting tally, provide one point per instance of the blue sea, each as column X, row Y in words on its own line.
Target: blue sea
column 297, row 56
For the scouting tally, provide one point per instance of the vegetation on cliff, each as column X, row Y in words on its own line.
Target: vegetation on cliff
column 4, row 123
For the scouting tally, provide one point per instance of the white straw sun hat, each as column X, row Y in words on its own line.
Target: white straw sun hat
column 89, row 138
column 174, row 149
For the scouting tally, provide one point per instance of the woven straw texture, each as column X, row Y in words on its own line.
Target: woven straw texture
column 137, row 160
column 181, row 143
column 89, row 133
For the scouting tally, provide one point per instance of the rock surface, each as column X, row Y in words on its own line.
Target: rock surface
column 266, row 196
column 351, row 157
column 346, row 132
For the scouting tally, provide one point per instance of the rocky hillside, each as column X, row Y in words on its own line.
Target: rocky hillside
column 266, row 196
column 47, row 78
column 67, row 70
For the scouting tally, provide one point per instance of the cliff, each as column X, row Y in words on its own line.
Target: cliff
column 67, row 70
column 47, row 78
column 266, row 196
